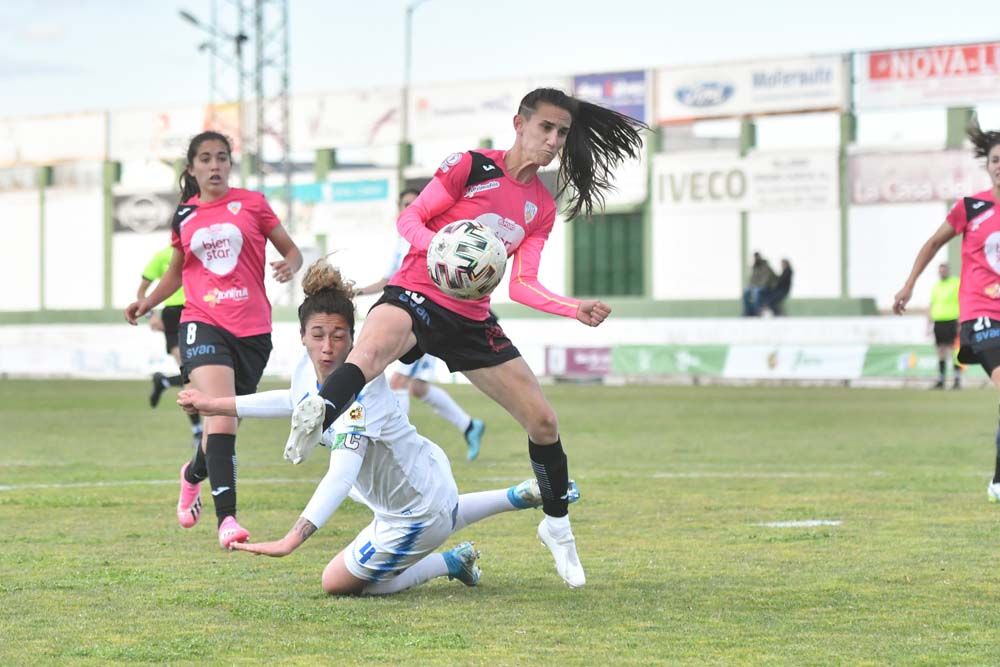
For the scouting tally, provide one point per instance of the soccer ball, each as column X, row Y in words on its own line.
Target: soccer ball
column 466, row 259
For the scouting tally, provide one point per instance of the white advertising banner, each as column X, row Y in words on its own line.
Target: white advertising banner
column 46, row 140
column 717, row 181
column 154, row 135
column 738, row 89
column 795, row 362
column 472, row 110
column 956, row 75
column 346, row 118
column 904, row 178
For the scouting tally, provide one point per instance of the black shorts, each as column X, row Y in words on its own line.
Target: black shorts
column 171, row 317
column 980, row 343
column 945, row 332
column 205, row 345
column 463, row 344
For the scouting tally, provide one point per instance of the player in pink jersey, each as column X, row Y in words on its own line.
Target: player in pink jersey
column 219, row 235
column 502, row 190
column 977, row 219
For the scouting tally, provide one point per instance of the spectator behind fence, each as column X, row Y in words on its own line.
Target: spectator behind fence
column 762, row 281
column 783, row 285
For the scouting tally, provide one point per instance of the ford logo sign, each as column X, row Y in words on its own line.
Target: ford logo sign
column 704, row 93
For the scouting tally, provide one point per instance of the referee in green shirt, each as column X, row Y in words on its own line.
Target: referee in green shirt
column 168, row 321
column 944, row 319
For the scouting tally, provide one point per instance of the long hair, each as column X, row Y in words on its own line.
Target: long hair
column 598, row 141
column 188, row 184
column 327, row 293
column 982, row 142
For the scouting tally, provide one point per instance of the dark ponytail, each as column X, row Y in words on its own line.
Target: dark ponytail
column 599, row 140
column 983, row 142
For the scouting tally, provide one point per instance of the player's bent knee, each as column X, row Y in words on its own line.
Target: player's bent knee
column 544, row 426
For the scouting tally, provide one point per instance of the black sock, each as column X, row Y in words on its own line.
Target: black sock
column 221, row 458
column 552, row 473
column 197, row 470
column 341, row 388
column 195, row 422
column 956, row 371
column 173, row 381
column 941, row 367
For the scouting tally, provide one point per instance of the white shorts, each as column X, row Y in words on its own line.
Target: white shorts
column 424, row 368
column 383, row 550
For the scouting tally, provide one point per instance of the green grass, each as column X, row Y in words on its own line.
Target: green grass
column 675, row 483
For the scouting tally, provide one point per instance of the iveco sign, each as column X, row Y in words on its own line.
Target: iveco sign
column 704, row 93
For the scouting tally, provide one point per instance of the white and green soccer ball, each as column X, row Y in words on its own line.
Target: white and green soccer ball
column 466, row 259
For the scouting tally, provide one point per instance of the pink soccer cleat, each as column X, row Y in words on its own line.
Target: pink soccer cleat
column 189, row 503
column 230, row 532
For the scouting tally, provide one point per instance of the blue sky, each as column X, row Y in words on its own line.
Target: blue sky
column 60, row 56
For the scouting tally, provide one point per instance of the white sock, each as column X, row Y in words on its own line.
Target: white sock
column 403, row 398
column 425, row 569
column 446, row 406
column 559, row 524
column 473, row 507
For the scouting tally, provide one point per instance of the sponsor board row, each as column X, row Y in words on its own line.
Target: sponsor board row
column 944, row 75
column 746, row 362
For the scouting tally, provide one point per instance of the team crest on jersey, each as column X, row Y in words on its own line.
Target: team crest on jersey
column 450, row 162
column 234, row 207
column 356, row 418
column 529, row 212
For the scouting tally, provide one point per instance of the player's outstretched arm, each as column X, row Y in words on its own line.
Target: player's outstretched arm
column 300, row 532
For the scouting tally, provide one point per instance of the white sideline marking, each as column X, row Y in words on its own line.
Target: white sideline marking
column 137, row 482
column 762, row 475
column 806, row 523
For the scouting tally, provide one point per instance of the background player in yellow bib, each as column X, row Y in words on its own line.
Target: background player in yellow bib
column 167, row 321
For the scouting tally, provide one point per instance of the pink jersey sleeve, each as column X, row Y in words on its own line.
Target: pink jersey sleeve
column 437, row 197
column 956, row 216
column 264, row 215
column 524, row 285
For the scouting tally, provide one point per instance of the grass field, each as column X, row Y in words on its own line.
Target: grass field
column 677, row 484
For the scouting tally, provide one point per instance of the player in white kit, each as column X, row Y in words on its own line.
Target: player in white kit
column 377, row 458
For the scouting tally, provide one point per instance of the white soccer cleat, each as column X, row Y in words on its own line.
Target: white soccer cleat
column 307, row 428
column 993, row 492
column 562, row 544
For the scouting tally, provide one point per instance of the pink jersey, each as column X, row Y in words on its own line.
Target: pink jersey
column 476, row 186
column 223, row 245
column 977, row 219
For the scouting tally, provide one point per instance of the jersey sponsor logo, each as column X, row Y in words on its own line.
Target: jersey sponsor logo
column 232, row 294
column 489, row 167
column 976, row 222
column 530, row 210
column 482, row 187
column 234, row 207
column 450, row 162
column 506, row 230
column 218, row 247
column 992, row 291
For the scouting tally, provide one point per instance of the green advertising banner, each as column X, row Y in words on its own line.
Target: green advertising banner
column 901, row 361
column 668, row 359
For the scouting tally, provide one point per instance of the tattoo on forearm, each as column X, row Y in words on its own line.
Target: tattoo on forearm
column 304, row 528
